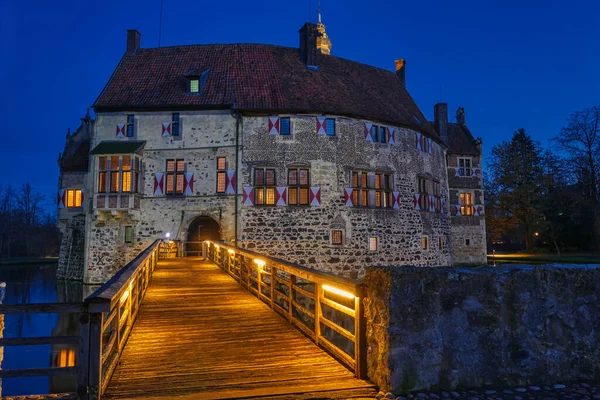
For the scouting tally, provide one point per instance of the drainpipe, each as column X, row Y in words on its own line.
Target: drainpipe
column 237, row 158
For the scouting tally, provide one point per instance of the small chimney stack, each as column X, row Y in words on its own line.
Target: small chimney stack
column 401, row 70
column 440, row 120
column 460, row 116
column 308, row 44
column 133, row 40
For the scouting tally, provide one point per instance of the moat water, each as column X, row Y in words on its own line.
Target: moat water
column 38, row 284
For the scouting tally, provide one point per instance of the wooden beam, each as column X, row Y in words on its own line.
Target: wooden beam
column 42, row 308
column 32, row 341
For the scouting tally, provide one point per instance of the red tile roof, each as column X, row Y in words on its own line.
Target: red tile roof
column 260, row 78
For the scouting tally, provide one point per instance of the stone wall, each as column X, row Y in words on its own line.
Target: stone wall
column 205, row 136
column 301, row 234
column 72, row 248
column 443, row 328
column 467, row 238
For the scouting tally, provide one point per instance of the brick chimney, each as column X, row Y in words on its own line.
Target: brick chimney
column 401, row 70
column 133, row 40
column 460, row 116
column 440, row 120
column 308, row 44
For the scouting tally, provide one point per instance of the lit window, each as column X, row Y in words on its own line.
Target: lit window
column 337, row 236
column 424, row 242
column 175, row 177
column 284, row 125
column 129, row 234
column 221, row 163
column 464, row 166
column 194, row 86
column 264, row 186
column 330, row 126
column 298, row 186
column 175, row 124
column 221, row 186
column 130, row 126
column 380, row 184
column 373, row 244
column 118, row 174
column 74, row 197
column 221, row 174
column 466, row 203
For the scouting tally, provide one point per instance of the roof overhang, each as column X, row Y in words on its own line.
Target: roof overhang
column 118, row 147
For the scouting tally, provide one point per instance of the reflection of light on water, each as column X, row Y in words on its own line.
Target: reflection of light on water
column 63, row 358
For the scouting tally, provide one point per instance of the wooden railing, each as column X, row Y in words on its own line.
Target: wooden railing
column 42, row 308
column 108, row 318
column 325, row 307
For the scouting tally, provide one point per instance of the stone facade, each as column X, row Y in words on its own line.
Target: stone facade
column 226, row 102
column 465, row 177
column 444, row 328
column 301, row 234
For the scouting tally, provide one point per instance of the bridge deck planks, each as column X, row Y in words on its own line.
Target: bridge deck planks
column 199, row 335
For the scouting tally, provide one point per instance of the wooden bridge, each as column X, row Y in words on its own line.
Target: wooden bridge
column 230, row 325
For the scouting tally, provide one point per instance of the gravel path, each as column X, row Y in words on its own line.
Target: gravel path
column 572, row 391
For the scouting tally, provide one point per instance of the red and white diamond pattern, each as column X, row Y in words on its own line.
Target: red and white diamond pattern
column 418, row 140
column 417, row 201
column 273, row 125
column 120, row 130
column 368, row 136
column 315, row 196
column 230, row 181
column 248, row 196
column 188, row 183
column 321, row 127
column 395, row 199
column 61, row 198
column 159, row 184
column 281, row 196
column 348, row 197
column 166, row 129
column 391, row 135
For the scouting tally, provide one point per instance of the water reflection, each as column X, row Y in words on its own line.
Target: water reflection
column 37, row 284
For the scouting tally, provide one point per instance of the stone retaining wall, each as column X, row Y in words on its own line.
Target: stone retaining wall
column 445, row 327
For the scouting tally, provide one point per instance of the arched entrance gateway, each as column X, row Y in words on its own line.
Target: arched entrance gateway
column 201, row 228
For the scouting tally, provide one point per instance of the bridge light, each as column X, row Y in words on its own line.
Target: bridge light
column 217, row 246
column 342, row 293
column 168, row 235
column 231, row 251
column 260, row 263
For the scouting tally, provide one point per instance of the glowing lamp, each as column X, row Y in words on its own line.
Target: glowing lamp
column 168, row 235
column 231, row 251
column 260, row 263
column 217, row 246
column 342, row 293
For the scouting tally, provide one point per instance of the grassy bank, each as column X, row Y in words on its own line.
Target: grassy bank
column 21, row 261
column 547, row 258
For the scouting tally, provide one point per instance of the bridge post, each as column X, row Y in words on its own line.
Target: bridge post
column 83, row 356
column 360, row 337
column 318, row 296
column 95, row 357
column 204, row 250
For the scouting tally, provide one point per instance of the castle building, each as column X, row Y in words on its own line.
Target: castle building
column 290, row 152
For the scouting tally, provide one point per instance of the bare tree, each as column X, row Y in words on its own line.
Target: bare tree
column 580, row 141
column 29, row 203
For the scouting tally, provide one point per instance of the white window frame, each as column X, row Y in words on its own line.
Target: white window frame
column 462, row 171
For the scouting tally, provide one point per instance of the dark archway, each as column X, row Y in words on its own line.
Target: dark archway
column 202, row 228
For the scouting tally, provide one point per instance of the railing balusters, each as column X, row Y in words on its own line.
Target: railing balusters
column 248, row 262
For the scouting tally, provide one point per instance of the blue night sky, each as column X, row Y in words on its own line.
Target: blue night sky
column 510, row 63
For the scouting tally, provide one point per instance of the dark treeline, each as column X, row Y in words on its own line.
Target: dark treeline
column 547, row 199
column 25, row 229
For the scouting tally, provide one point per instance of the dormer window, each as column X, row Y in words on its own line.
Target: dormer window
column 194, row 85
column 196, row 80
